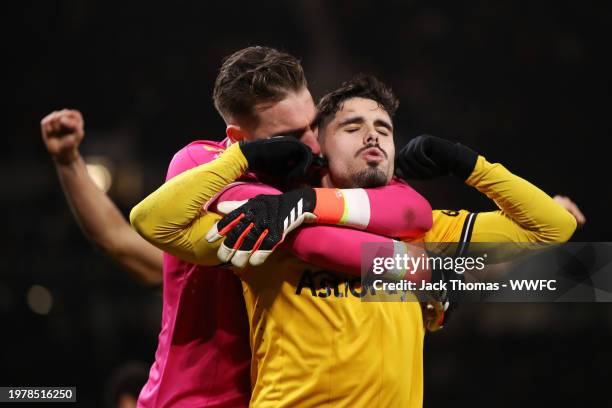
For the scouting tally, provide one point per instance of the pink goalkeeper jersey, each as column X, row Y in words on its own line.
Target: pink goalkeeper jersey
column 203, row 354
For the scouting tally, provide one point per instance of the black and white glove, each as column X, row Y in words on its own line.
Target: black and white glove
column 255, row 227
column 426, row 157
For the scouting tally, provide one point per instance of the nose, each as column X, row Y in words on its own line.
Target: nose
column 371, row 137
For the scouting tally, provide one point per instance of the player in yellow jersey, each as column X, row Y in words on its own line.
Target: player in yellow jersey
column 313, row 341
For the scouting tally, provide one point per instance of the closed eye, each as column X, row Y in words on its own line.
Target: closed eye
column 383, row 131
column 351, row 129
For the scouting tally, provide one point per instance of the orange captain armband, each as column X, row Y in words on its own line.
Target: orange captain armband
column 330, row 205
column 349, row 207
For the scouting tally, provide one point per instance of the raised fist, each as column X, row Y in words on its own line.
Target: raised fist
column 62, row 132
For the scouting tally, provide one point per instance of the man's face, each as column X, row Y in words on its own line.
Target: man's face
column 358, row 143
column 291, row 116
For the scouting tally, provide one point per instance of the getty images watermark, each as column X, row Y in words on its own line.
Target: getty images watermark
column 488, row 272
column 450, row 279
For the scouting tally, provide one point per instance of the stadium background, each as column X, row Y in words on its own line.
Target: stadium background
column 525, row 83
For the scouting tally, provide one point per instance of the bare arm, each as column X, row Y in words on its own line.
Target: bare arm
column 98, row 217
column 528, row 215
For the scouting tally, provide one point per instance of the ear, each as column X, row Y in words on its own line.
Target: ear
column 321, row 161
column 235, row 133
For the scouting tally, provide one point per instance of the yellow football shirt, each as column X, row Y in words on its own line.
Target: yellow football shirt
column 314, row 341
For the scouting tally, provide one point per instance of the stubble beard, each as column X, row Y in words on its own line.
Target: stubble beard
column 369, row 177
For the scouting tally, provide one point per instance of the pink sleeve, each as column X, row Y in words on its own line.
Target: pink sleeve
column 312, row 244
column 397, row 210
column 347, row 250
column 240, row 191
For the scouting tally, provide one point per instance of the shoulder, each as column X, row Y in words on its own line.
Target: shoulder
column 195, row 153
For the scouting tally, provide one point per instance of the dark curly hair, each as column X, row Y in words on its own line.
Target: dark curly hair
column 360, row 86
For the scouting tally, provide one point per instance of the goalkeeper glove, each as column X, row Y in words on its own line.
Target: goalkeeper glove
column 253, row 228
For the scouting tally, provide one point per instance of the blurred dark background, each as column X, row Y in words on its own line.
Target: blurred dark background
column 525, row 83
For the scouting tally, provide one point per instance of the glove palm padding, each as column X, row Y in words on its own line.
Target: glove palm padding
column 254, row 229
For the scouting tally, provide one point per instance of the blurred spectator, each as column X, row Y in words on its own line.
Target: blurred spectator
column 125, row 383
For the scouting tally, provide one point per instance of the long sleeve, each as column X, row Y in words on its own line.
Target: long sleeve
column 527, row 218
column 170, row 217
column 335, row 248
column 174, row 222
column 527, row 213
column 397, row 210
column 394, row 204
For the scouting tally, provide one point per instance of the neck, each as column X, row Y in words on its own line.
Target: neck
column 326, row 181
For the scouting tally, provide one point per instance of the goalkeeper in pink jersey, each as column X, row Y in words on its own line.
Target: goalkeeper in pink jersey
column 203, row 353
